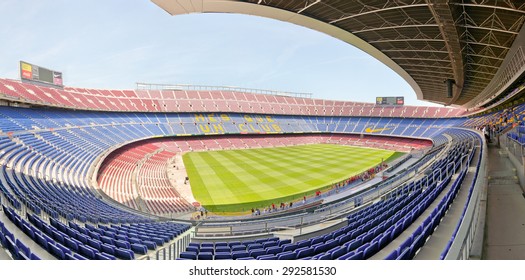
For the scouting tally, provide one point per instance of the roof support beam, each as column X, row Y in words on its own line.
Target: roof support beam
column 485, row 44
column 408, row 66
column 307, row 6
column 485, row 6
column 405, row 40
column 420, row 58
column 395, row 27
column 415, row 70
column 420, row 51
column 376, row 11
column 443, row 16
column 487, row 29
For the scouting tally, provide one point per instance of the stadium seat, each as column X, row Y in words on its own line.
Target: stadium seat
column 274, row 250
column 338, row 253
column 223, row 256
column 124, row 254
column 286, row 256
column 55, row 251
column 267, row 257
column 205, row 256
column 257, row 252
column 235, row 248
column 188, row 255
column 304, row 252
column 139, row 249
column 240, row 254
column 392, row 256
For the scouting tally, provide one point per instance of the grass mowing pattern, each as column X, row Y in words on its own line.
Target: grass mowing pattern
column 236, row 180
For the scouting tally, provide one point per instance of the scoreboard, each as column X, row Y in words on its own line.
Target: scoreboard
column 390, row 100
column 33, row 73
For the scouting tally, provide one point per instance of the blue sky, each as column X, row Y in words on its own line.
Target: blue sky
column 116, row 43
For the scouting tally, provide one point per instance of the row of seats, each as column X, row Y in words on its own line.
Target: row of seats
column 15, row 247
column 518, row 136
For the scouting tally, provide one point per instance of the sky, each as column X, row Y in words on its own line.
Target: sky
column 115, row 43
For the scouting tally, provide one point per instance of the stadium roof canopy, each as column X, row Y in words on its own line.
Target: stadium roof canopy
column 476, row 43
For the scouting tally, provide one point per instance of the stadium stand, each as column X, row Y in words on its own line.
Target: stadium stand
column 92, row 184
column 205, row 101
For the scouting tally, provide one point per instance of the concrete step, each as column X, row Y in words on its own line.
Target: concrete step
column 509, row 181
column 503, row 173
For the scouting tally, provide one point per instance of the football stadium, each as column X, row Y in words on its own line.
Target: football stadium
column 185, row 172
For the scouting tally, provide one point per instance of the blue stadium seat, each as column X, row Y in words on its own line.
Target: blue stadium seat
column 352, row 245
column 207, row 249
column 254, row 246
column 257, row 252
column 267, row 257
column 357, row 256
column 371, row 250
column 222, row 249
column 205, row 256
column 139, row 249
column 339, row 252
column 150, row 245
column 34, row 257
column 124, row 254
column 325, row 256
column 392, row 256
column 234, row 243
column 55, row 251
column 223, row 256
column 303, row 243
column 107, row 240
column 274, row 250
column 286, row 256
column 94, row 244
column 86, row 251
column 289, row 247
column 304, row 252
column 192, row 249
column 404, row 255
column 240, row 254
column 12, row 248
column 22, row 248
column 122, row 244
column 188, row 255
column 238, row 248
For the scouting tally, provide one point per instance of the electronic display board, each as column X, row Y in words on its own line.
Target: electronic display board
column 30, row 72
column 390, row 100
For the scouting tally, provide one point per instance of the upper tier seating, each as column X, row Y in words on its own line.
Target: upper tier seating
column 206, row 101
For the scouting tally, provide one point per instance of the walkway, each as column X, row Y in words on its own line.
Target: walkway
column 505, row 219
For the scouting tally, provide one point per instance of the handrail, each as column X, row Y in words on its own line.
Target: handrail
column 148, row 86
column 462, row 244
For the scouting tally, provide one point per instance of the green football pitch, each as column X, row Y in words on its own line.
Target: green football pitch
column 237, row 180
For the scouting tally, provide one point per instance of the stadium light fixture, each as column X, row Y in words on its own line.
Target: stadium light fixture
column 450, row 83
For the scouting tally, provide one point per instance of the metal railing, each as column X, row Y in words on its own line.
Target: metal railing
column 172, row 250
column 148, row 86
column 464, row 240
